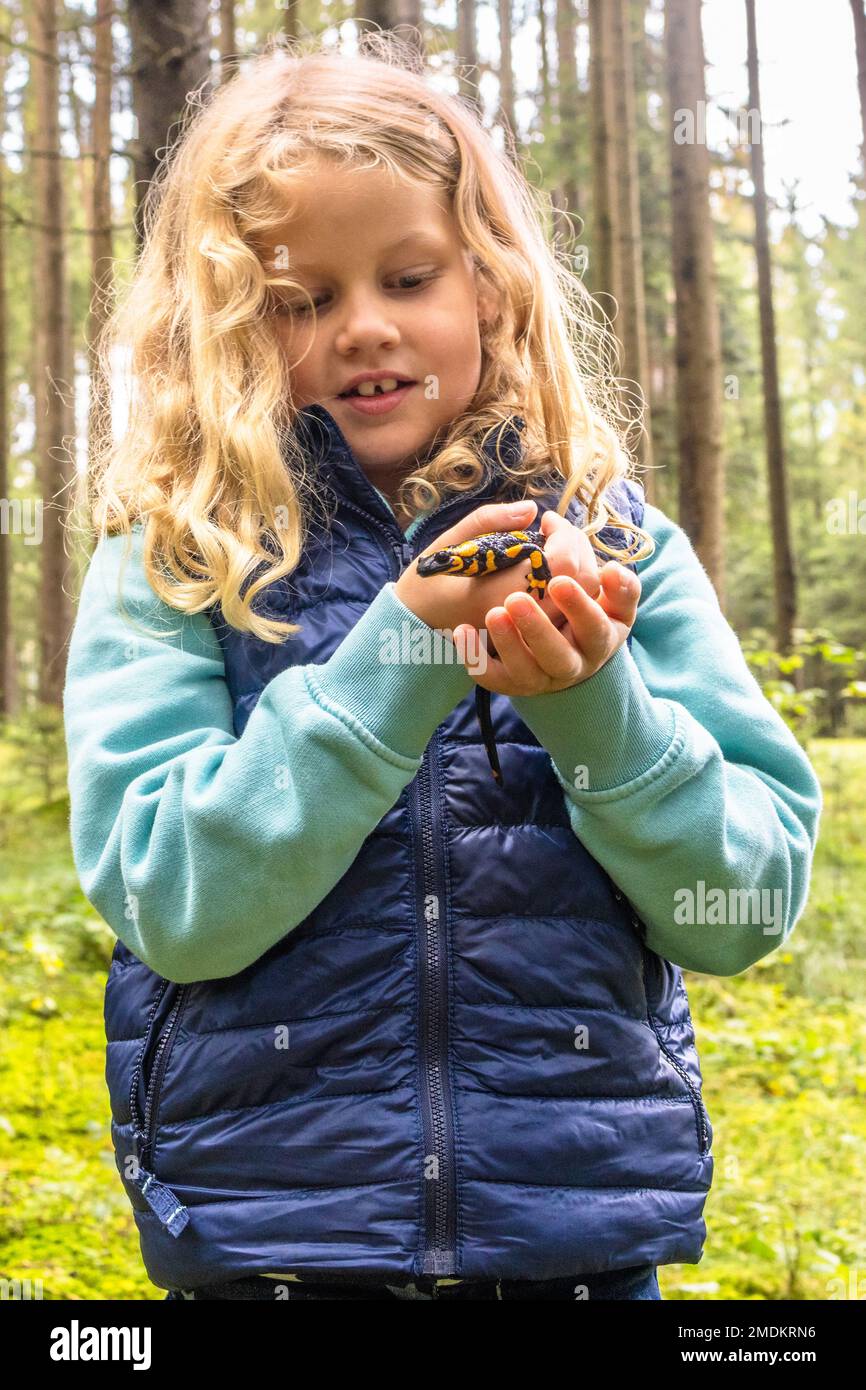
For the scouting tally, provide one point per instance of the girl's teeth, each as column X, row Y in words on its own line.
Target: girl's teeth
column 368, row 388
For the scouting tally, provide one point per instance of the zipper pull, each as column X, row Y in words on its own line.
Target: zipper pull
column 405, row 554
column 162, row 1201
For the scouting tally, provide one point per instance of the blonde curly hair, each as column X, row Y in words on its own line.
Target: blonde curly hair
column 207, row 464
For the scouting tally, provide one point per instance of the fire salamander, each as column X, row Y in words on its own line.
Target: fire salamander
column 487, row 554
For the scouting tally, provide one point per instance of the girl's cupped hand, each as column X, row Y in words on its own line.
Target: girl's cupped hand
column 534, row 654
column 449, row 601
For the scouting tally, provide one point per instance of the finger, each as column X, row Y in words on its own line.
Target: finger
column 621, row 591
column 588, row 620
column 473, row 649
column 479, row 656
column 568, row 551
column 493, row 516
column 514, row 664
column 529, row 640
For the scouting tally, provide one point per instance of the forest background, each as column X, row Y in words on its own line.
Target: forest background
column 726, row 236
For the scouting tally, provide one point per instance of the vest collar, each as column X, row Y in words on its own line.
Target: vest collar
column 327, row 448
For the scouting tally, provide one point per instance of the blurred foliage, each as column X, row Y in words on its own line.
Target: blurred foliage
column 811, row 686
column 32, row 762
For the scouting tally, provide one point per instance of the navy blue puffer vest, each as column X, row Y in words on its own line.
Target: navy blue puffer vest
column 490, row 1074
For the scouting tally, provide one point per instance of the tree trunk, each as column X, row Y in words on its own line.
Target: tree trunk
column 70, row 53
column 627, row 227
column 698, row 350
column 505, row 116
column 396, row 15
column 569, row 114
column 785, row 580
column 53, row 386
column 170, row 56
column 607, row 279
column 291, row 17
column 227, row 40
column 467, row 54
column 101, row 247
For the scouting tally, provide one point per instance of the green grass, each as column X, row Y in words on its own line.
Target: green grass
column 783, row 1055
column 783, row 1051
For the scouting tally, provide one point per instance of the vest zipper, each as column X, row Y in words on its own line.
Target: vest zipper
column 162, row 1201
column 440, row 1202
column 160, row 1062
column 439, row 1254
column 404, row 551
column 396, row 548
column 139, row 1061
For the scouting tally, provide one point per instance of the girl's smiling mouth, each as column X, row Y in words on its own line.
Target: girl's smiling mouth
column 381, row 402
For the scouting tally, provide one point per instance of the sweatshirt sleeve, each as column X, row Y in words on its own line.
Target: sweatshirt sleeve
column 201, row 849
column 681, row 778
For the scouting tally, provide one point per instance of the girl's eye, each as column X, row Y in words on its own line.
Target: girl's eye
column 419, row 279
column 296, row 310
column 282, row 307
column 301, row 308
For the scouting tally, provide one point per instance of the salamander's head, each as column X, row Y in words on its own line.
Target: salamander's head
column 440, row 562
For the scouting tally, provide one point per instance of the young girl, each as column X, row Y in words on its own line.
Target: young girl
column 380, row 1025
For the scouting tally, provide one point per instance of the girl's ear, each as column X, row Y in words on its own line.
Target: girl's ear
column 486, row 296
column 486, row 302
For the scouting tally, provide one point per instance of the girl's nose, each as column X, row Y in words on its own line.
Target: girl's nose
column 366, row 319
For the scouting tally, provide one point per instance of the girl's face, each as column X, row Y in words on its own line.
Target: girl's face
column 395, row 290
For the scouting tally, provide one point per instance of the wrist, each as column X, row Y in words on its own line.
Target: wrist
column 392, row 677
column 608, row 725
column 408, row 589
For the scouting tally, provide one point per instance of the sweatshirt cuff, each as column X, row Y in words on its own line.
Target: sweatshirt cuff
column 603, row 732
column 394, row 675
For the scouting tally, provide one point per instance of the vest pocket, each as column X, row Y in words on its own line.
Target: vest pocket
column 697, row 1101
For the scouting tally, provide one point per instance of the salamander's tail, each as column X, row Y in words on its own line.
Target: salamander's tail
column 482, row 708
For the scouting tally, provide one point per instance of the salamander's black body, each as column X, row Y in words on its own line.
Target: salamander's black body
column 490, row 552
column 487, row 554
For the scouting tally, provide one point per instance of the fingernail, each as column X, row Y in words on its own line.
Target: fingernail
column 518, row 508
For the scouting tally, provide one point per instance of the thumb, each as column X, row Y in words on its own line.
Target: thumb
column 493, row 516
